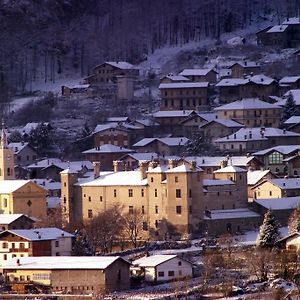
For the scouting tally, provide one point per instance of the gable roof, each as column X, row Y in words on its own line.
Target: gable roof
column 153, row 260
column 289, row 79
column 288, row 203
column 176, row 78
column 148, row 156
column 224, row 122
column 247, row 103
column 107, row 148
column 39, row 234
column 62, row 262
column 254, row 176
column 173, row 113
column 283, row 149
column 230, row 169
column 9, row 218
column 183, row 85
column 286, row 183
column 246, row 64
column 170, row 141
column 10, row 186
column 278, row 28
column 195, row 72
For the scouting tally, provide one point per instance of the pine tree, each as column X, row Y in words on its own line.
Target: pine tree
column 289, row 108
column 294, row 220
column 269, row 231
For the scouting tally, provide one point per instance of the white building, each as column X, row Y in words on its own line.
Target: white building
column 163, row 267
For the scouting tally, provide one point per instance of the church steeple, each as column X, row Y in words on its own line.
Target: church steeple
column 7, row 162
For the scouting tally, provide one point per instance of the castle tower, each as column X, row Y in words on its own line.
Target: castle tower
column 6, row 157
column 68, row 178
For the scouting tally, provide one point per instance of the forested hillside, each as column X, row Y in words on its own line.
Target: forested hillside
column 44, row 38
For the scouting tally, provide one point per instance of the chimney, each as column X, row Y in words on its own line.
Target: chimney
column 96, row 165
column 223, row 163
column 143, row 169
column 171, row 163
column 152, row 165
column 284, row 131
column 250, row 134
column 118, row 166
column 193, row 165
column 62, row 234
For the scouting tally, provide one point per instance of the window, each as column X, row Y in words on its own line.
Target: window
column 4, row 202
column 130, row 209
column 13, row 246
column 156, row 223
column 119, row 274
column 155, row 193
column 130, row 193
column 145, row 226
column 5, row 245
column 178, row 193
column 191, row 209
column 275, row 158
column 90, row 213
column 190, row 193
column 56, row 243
column 5, row 257
column 28, row 278
column 152, row 179
column 179, row 263
column 8, row 171
column 143, row 209
column 178, row 209
column 90, row 199
column 176, row 178
column 142, row 192
column 22, row 278
column 161, row 274
column 65, row 200
column 115, row 193
column 179, row 272
column 171, row 273
column 156, row 209
column 22, row 246
column 101, row 199
column 270, row 193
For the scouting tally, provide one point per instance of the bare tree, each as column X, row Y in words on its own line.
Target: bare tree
column 133, row 225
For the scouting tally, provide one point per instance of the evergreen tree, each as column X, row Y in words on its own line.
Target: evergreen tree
column 294, row 220
column 289, row 108
column 269, row 231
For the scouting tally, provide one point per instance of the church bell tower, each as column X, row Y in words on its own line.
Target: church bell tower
column 6, row 157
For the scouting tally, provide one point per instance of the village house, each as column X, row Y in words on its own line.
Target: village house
column 200, row 75
column 51, row 167
column 257, row 86
column 289, row 83
column 25, row 154
column 106, row 154
column 277, row 188
column 184, row 95
column 255, row 177
column 131, row 160
column 108, row 72
column 148, row 126
column 70, row 274
column 249, row 140
column 76, row 90
column 218, row 128
column 291, row 123
column 251, row 113
column 34, row 242
column 16, row 221
column 282, row 208
column 29, row 127
column 158, row 268
column 119, row 134
column 274, row 159
column 173, row 78
column 162, row 146
column 296, row 97
column 240, row 69
column 290, row 242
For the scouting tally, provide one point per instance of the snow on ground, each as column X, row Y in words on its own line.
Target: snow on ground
column 18, row 103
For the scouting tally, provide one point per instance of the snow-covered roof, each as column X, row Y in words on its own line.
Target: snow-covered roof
column 214, row 161
column 289, row 79
column 120, row 64
column 256, row 134
column 279, row 203
column 183, row 85
column 277, row 28
column 254, row 176
column 73, row 165
column 153, row 260
column 231, row 82
column 170, row 141
column 248, row 103
column 283, row 149
column 208, row 116
column 216, row 182
column 148, row 156
column 180, row 169
column 117, row 119
column 247, row 64
column 9, row 218
column 48, row 184
column 124, row 178
column 239, row 213
column 225, row 122
column 195, row 72
column 296, row 97
column 9, row 186
column 158, row 169
column 286, row 183
column 102, row 127
column 32, row 126
column 107, row 148
column 176, row 78
column 292, row 21
column 292, row 120
column 173, row 113
column 230, row 169
column 61, row 262
column 18, row 147
column 146, row 122
column 261, row 79
column 39, row 234
column 257, row 79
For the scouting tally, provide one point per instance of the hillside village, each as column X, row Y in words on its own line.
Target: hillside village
column 145, row 183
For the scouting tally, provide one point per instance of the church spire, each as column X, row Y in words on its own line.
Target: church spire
column 4, row 142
